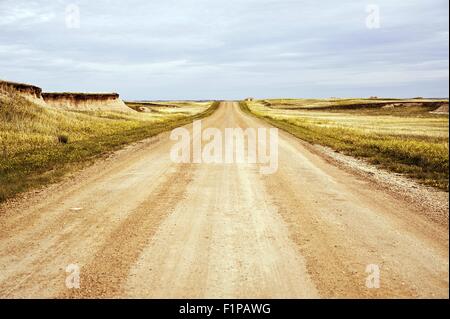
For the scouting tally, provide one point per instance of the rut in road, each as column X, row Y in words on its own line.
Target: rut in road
column 150, row 228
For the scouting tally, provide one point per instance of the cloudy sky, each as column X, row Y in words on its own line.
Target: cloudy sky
column 228, row 49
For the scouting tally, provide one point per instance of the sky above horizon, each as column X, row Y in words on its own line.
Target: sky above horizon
column 217, row 49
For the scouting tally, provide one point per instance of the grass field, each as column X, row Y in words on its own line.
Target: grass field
column 347, row 103
column 39, row 145
column 407, row 139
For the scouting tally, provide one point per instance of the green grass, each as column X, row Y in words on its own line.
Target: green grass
column 31, row 151
column 407, row 140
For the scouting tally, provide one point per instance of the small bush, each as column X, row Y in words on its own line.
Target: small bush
column 63, row 139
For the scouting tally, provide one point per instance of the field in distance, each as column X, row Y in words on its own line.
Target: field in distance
column 168, row 107
column 404, row 136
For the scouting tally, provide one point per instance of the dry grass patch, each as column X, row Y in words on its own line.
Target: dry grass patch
column 407, row 140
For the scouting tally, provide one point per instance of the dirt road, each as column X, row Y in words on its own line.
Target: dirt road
column 139, row 225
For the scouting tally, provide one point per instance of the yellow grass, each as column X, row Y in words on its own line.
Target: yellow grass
column 407, row 140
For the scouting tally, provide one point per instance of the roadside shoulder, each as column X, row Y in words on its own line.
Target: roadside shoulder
column 433, row 202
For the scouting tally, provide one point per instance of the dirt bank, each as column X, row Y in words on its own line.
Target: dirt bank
column 68, row 100
column 30, row 92
column 86, row 101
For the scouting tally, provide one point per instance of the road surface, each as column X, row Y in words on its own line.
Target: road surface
column 140, row 225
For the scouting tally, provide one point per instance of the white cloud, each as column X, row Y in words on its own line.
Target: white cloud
column 228, row 49
column 21, row 14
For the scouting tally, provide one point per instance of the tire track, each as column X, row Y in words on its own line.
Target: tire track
column 104, row 275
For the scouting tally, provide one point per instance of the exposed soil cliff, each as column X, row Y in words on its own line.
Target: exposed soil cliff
column 86, row 101
column 30, row 92
column 65, row 100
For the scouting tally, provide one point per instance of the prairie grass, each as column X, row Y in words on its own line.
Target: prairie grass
column 31, row 151
column 406, row 140
column 347, row 103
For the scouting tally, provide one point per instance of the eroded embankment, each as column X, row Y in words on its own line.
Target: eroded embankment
column 28, row 91
column 86, row 101
column 68, row 100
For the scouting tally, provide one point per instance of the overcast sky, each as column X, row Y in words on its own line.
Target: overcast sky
column 228, row 49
